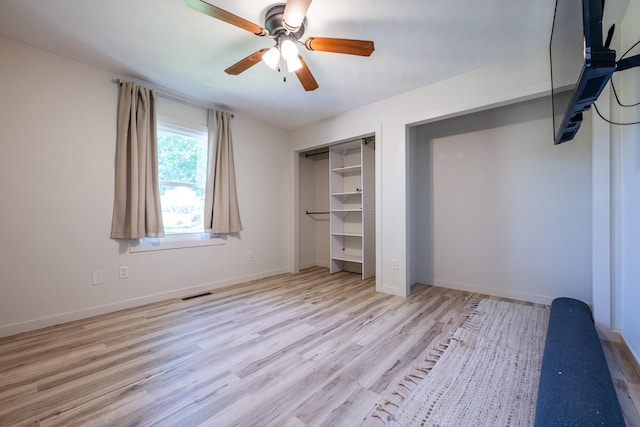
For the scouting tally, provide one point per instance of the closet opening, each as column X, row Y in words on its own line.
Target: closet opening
column 336, row 207
column 494, row 207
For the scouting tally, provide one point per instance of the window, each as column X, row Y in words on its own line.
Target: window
column 182, row 168
column 182, row 171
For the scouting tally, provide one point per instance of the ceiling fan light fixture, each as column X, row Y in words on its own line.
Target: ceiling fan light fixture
column 271, row 57
column 289, row 49
column 294, row 64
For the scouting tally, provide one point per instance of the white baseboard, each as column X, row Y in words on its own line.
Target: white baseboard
column 43, row 322
column 313, row 264
column 635, row 355
column 608, row 334
column 502, row 293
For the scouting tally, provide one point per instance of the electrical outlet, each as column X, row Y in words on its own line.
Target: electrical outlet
column 394, row 264
column 96, row 278
column 124, row 271
column 249, row 256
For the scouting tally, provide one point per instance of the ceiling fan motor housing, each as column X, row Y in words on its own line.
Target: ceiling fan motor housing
column 274, row 24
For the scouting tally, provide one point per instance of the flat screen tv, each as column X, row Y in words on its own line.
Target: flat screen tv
column 581, row 65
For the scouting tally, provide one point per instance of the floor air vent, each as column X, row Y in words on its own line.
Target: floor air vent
column 196, row 296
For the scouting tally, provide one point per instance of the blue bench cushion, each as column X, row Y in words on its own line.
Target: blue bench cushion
column 575, row 384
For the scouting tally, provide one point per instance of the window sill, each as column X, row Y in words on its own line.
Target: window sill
column 175, row 241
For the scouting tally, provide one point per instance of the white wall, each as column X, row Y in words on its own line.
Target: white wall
column 419, row 208
column 307, row 230
column 57, row 130
column 321, row 222
column 498, row 209
column 627, row 207
column 313, row 190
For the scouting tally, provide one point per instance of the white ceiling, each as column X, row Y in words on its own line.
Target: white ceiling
column 164, row 42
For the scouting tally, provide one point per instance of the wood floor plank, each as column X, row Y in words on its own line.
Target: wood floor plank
column 310, row 349
column 626, row 380
column 351, row 412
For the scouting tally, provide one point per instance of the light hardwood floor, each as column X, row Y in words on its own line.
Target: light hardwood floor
column 626, row 379
column 310, row 349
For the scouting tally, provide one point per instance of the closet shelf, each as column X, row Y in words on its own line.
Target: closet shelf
column 346, row 210
column 349, row 258
column 347, row 194
column 352, row 219
column 347, row 234
column 347, row 169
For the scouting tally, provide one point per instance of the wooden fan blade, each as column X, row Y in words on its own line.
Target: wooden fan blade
column 347, row 46
column 307, row 80
column 246, row 63
column 227, row 17
column 294, row 13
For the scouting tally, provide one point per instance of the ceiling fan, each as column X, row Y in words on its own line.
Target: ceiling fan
column 285, row 23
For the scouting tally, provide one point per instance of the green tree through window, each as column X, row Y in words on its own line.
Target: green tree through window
column 182, row 168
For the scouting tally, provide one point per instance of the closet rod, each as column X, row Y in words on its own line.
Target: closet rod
column 316, row 154
column 165, row 95
column 316, row 213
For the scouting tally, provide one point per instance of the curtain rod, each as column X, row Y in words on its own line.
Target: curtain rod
column 164, row 94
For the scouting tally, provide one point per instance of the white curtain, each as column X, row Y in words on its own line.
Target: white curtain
column 222, row 213
column 136, row 206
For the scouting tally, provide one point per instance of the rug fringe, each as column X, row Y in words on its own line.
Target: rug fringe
column 472, row 303
column 408, row 383
column 417, row 373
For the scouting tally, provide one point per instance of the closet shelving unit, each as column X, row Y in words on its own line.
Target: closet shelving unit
column 352, row 204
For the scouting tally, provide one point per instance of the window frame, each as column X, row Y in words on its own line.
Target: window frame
column 179, row 240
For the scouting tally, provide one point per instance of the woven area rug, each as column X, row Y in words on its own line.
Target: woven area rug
column 487, row 374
